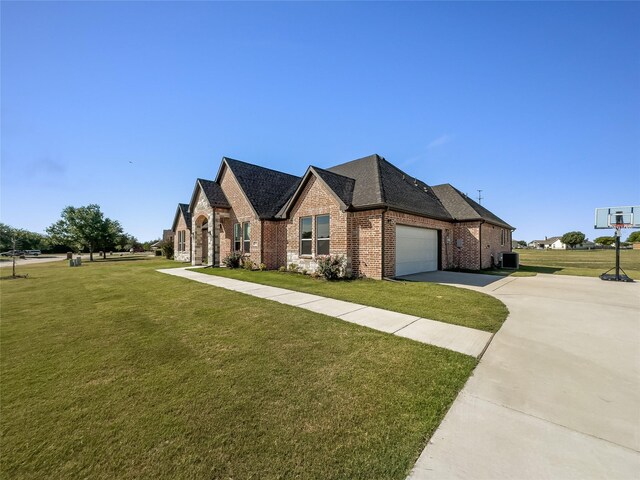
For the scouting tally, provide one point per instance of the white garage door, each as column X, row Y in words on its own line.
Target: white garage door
column 416, row 250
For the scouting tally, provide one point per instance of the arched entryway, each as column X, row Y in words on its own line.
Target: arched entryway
column 201, row 241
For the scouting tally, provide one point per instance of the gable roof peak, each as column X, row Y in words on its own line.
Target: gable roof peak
column 265, row 189
column 212, row 191
column 183, row 209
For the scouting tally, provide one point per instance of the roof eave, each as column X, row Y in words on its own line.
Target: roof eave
column 175, row 219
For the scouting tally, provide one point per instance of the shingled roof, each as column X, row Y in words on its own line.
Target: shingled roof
column 341, row 187
column 462, row 208
column 183, row 209
column 378, row 183
column 267, row 190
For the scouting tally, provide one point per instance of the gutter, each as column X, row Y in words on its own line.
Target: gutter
column 480, row 241
column 383, row 243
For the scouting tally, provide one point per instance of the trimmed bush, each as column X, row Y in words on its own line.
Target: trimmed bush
column 232, row 260
column 247, row 264
column 293, row 267
column 331, row 267
column 282, row 269
column 167, row 250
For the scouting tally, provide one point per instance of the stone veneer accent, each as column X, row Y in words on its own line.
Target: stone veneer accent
column 201, row 212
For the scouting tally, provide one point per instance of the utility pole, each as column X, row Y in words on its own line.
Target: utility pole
column 480, row 197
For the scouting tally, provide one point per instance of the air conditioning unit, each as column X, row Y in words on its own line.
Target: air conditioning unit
column 510, row 260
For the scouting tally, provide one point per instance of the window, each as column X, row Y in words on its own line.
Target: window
column 237, row 237
column 322, row 235
column 305, row 236
column 181, row 241
column 502, row 236
column 246, row 230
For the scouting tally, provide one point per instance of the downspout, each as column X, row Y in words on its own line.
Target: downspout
column 480, row 240
column 261, row 241
column 213, row 239
column 383, row 244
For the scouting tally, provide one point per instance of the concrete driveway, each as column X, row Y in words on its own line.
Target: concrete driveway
column 556, row 394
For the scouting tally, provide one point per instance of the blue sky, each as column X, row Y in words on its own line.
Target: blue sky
column 125, row 104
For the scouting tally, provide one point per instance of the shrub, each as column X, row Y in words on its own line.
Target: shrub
column 232, row 260
column 247, row 264
column 293, row 267
column 167, row 250
column 331, row 267
column 158, row 253
column 263, row 267
column 304, row 271
column 282, row 269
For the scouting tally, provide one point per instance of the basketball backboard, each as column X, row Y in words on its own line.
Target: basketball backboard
column 621, row 217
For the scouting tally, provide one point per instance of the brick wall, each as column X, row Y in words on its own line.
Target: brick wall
column 241, row 211
column 467, row 256
column 185, row 255
column 365, row 243
column 274, row 243
column 493, row 243
column 315, row 200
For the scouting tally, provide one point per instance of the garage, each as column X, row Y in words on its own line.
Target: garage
column 416, row 250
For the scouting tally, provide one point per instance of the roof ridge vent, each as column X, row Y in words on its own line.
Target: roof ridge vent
column 415, row 182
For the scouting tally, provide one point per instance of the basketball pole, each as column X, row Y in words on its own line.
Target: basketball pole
column 618, row 254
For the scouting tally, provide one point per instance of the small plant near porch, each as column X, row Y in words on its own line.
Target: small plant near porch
column 331, row 267
column 233, row 260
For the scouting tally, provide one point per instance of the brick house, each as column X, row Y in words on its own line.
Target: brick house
column 182, row 233
column 383, row 221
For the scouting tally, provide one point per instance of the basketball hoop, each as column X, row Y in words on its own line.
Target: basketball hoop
column 617, row 218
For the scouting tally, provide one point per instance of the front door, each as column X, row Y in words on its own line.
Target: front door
column 205, row 245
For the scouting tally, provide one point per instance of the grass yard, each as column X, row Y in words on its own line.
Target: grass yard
column 113, row 370
column 427, row 300
column 590, row 263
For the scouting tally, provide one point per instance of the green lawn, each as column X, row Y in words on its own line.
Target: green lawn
column 590, row 263
column 428, row 300
column 113, row 370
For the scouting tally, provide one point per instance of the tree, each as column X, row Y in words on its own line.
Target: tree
column 607, row 241
column 634, row 237
column 27, row 240
column 84, row 228
column 573, row 238
column 522, row 243
column 110, row 232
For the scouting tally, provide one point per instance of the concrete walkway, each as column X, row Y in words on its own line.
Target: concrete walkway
column 453, row 337
column 557, row 393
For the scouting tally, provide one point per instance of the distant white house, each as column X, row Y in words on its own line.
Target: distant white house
column 555, row 243
column 548, row 242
